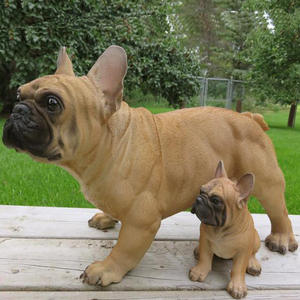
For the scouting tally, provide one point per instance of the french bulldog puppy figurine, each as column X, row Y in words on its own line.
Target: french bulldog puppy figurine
column 227, row 229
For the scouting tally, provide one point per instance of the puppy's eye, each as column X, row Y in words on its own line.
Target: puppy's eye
column 52, row 103
column 215, row 200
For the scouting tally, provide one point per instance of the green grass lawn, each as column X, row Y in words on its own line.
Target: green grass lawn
column 287, row 143
column 26, row 182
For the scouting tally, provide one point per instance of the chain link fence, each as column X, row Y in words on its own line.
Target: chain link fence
column 222, row 92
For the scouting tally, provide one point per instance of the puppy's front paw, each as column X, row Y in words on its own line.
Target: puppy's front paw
column 102, row 221
column 101, row 273
column 237, row 289
column 197, row 273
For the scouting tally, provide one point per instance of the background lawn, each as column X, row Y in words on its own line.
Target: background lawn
column 26, row 182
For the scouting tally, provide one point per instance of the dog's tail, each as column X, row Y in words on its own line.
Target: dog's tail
column 258, row 118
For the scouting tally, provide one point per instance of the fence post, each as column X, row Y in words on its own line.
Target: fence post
column 229, row 94
column 203, row 91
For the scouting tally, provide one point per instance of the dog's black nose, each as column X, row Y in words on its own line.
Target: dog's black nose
column 198, row 199
column 21, row 109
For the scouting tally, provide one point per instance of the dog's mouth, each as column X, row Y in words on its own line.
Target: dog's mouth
column 27, row 130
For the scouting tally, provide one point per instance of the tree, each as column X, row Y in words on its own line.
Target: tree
column 218, row 29
column 273, row 51
column 31, row 33
column 197, row 22
column 234, row 27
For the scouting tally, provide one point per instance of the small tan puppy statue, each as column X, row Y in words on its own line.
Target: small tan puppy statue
column 137, row 167
column 226, row 229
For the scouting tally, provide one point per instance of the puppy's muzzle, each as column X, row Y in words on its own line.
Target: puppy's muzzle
column 201, row 208
column 207, row 212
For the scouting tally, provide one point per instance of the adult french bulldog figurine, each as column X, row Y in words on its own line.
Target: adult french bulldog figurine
column 135, row 166
column 227, row 229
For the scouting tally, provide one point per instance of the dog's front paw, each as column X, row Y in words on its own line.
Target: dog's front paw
column 237, row 289
column 101, row 273
column 102, row 221
column 197, row 273
column 281, row 242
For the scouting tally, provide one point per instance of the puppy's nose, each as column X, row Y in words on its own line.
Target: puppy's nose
column 21, row 108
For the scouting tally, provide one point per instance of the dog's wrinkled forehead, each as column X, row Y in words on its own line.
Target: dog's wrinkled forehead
column 214, row 185
column 66, row 87
column 219, row 186
column 28, row 90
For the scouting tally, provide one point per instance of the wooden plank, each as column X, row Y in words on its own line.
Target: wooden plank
column 55, row 265
column 50, row 222
column 57, row 222
column 143, row 295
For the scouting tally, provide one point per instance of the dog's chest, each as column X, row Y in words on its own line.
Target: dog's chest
column 111, row 196
column 223, row 247
column 93, row 195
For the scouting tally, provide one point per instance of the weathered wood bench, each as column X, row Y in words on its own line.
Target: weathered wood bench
column 43, row 250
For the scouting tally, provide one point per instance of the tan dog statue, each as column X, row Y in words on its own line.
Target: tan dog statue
column 227, row 229
column 135, row 166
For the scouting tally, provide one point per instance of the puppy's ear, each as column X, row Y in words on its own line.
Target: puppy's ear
column 220, row 171
column 64, row 64
column 108, row 74
column 245, row 186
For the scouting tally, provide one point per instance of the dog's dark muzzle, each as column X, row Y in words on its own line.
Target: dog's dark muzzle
column 207, row 212
column 201, row 208
column 27, row 130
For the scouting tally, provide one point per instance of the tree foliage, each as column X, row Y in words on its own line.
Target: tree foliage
column 234, row 27
column 31, row 33
column 254, row 40
column 218, row 29
column 273, row 49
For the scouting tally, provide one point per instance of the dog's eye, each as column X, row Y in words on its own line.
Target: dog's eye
column 52, row 103
column 215, row 200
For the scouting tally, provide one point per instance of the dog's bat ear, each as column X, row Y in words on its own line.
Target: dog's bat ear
column 245, row 186
column 64, row 64
column 220, row 171
column 108, row 74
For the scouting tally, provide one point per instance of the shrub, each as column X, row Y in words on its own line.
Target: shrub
column 31, row 33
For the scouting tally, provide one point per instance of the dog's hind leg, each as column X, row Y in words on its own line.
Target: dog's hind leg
column 253, row 267
column 269, row 189
column 102, row 221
